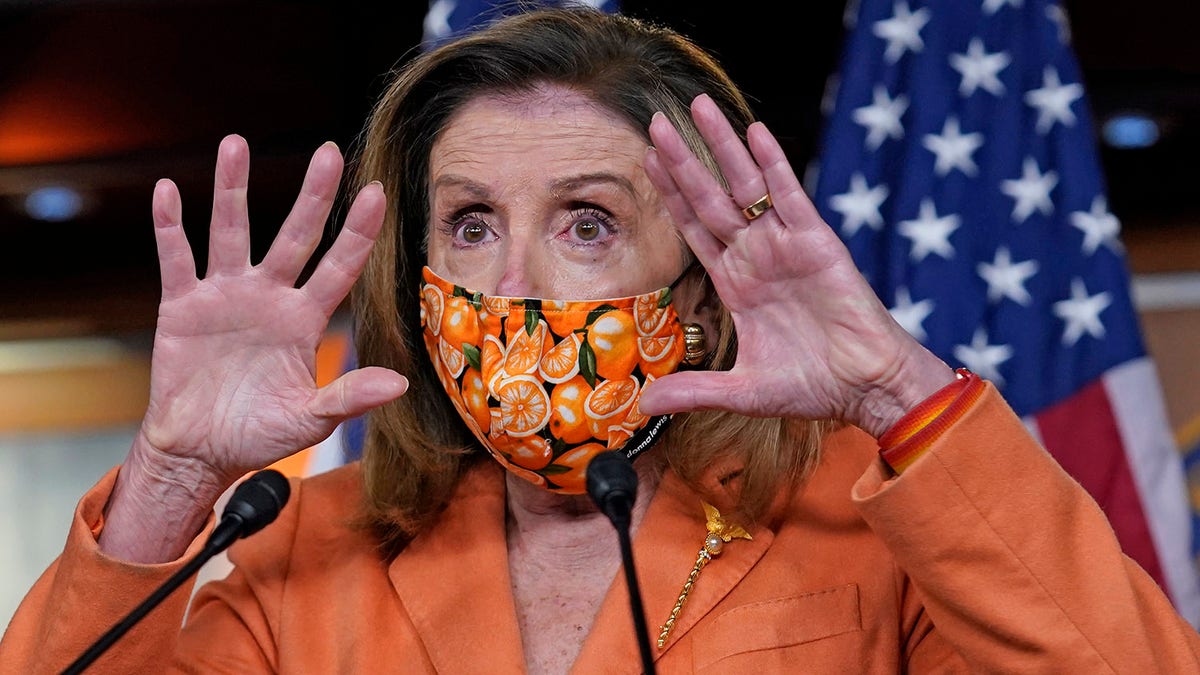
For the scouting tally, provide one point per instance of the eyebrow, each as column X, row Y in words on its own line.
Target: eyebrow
column 477, row 190
column 575, row 182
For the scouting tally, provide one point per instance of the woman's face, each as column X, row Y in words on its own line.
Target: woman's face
column 543, row 195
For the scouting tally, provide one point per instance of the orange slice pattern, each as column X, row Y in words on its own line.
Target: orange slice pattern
column 452, row 358
column 525, row 351
column 524, row 406
column 648, row 315
column 561, row 362
column 544, row 402
column 431, row 308
column 610, row 400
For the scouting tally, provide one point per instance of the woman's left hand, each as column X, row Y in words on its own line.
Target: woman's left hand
column 814, row 341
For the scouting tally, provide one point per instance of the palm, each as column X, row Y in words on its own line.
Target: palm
column 812, row 336
column 233, row 375
column 233, row 366
column 803, row 335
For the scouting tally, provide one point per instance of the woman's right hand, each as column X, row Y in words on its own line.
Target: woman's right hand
column 233, row 371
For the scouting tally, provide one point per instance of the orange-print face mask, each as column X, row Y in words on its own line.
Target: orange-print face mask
column 545, row 385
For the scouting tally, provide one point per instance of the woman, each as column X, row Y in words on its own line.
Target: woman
column 828, row 495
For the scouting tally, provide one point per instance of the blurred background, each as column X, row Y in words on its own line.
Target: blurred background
column 99, row 99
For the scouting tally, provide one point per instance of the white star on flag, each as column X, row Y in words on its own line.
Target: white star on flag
column 993, row 6
column 953, row 149
column 1031, row 191
column 1099, row 227
column 437, row 19
column 1053, row 100
column 860, row 205
column 1059, row 16
column 982, row 358
column 1082, row 312
column 910, row 315
column 980, row 69
column 902, row 31
column 1006, row 279
column 882, row 117
column 929, row 233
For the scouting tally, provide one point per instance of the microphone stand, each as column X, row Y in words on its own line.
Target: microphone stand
column 254, row 504
column 612, row 485
column 635, row 598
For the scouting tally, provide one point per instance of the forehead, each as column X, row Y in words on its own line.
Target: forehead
column 550, row 123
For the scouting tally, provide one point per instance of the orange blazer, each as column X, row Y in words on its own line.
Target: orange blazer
column 983, row 557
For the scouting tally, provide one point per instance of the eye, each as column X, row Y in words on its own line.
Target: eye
column 590, row 225
column 587, row 230
column 467, row 229
column 472, row 233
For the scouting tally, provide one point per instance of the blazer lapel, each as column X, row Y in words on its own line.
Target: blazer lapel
column 665, row 548
column 454, row 583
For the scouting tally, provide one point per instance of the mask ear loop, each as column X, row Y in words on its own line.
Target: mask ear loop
column 691, row 266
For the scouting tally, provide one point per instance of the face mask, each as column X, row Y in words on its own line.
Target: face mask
column 545, row 385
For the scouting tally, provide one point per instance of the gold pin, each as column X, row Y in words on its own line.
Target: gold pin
column 720, row 532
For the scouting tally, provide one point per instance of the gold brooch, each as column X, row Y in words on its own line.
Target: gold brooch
column 720, row 532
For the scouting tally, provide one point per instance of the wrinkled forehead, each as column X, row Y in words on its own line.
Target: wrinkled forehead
column 546, row 110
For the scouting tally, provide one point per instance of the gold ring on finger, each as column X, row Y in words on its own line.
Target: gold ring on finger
column 758, row 208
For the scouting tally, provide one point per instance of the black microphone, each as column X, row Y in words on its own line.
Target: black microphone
column 612, row 485
column 254, row 503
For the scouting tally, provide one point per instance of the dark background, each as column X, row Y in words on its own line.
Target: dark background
column 109, row 96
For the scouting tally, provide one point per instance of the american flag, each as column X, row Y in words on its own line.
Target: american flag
column 959, row 165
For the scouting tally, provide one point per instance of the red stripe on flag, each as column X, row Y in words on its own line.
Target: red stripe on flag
column 1081, row 433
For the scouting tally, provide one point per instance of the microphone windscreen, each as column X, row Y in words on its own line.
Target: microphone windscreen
column 259, row 499
column 610, row 475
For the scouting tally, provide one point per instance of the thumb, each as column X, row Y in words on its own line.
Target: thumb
column 358, row 391
column 688, row 391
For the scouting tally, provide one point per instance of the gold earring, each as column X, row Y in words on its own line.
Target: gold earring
column 695, row 344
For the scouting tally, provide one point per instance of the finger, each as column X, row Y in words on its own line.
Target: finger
column 356, row 392
column 342, row 263
column 787, row 193
column 176, row 266
column 743, row 174
column 698, row 186
column 706, row 247
column 689, row 391
column 301, row 231
column 229, row 231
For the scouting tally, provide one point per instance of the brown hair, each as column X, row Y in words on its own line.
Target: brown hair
column 417, row 448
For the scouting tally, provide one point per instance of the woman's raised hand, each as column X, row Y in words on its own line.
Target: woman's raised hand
column 814, row 341
column 233, row 372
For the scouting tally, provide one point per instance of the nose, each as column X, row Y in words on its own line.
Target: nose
column 513, row 278
column 522, row 270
